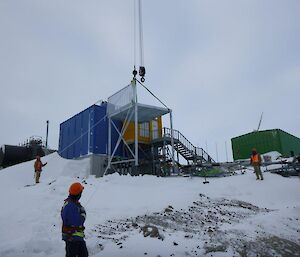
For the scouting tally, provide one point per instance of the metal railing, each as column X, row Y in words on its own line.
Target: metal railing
column 123, row 97
column 197, row 151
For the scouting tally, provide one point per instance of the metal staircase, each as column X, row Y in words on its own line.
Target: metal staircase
column 185, row 148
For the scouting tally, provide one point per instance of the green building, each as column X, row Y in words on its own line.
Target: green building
column 265, row 141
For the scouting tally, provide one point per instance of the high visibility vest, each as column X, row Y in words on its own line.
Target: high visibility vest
column 255, row 158
column 38, row 166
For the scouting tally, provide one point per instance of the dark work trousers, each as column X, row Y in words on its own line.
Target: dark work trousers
column 258, row 172
column 76, row 249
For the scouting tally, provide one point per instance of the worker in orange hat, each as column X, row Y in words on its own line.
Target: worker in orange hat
column 73, row 217
column 255, row 161
column 38, row 165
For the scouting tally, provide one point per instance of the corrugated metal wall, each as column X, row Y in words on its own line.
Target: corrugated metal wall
column 290, row 144
column 264, row 141
column 87, row 132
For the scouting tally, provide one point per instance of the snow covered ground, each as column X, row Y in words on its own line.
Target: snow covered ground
column 230, row 216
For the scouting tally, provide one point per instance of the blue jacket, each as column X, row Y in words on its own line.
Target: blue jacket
column 73, row 217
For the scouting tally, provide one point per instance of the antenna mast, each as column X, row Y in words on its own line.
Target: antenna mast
column 260, row 120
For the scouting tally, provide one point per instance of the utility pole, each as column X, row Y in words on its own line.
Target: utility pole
column 47, row 133
column 226, row 151
column 217, row 153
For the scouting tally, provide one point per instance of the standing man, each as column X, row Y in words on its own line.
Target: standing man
column 38, row 168
column 73, row 217
column 255, row 161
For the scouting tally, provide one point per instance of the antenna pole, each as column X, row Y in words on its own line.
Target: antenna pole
column 226, row 151
column 260, row 120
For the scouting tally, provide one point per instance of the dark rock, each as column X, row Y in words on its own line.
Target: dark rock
column 151, row 231
column 169, row 209
column 210, row 230
column 135, row 225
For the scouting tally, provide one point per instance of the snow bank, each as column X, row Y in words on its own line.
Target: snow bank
column 30, row 217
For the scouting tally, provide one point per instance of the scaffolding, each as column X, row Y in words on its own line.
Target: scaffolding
column 124, row 106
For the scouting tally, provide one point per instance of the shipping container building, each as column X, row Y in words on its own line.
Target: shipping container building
column 87, row 133
column 148, row 131
column 265, row 141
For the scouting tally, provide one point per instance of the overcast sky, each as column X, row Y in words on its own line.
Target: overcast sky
column 217, row 64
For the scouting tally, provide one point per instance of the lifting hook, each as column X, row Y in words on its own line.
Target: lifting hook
column 142, row 72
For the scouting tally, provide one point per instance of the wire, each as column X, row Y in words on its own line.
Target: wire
column 153, row 95
column 134, row 33
column 141, row 34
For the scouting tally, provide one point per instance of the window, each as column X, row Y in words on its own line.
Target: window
column 144, row 129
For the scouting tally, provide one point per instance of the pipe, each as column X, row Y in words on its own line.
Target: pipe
column 47, row 133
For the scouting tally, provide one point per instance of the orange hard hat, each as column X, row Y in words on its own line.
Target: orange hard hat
column 76, row 188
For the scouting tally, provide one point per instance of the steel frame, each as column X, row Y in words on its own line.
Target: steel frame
column 132, row 110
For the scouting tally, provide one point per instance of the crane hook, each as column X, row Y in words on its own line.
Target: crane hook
column 142, row 72
column 134, row 72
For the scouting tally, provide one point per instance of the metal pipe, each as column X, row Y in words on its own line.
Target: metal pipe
column 226, row 151
column 89, row 135
column 109, row 143
column 172, row 140
column 47, row 133
column 136, row 139
column 124, row 161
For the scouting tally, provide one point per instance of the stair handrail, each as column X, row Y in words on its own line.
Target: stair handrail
column 177, row 135
column 204, row 153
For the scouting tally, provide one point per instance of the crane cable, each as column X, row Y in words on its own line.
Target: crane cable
column 142, row 70
column 134, row 39
column 141, row 34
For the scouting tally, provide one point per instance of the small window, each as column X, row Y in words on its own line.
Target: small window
column 144, row 129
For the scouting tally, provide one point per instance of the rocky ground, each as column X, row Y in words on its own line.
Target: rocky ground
column 209, row 222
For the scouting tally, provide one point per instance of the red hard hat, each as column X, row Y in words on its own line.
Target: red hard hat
column 76, row 188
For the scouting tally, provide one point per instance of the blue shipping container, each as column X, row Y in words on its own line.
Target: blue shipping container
column 87, row 132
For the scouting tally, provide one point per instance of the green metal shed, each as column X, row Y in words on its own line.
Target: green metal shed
column 265, row 141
